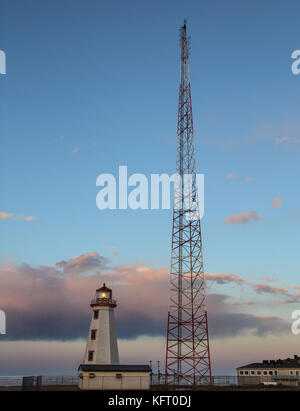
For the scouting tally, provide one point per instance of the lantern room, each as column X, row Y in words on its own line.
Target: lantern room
column 103, row 297
column 104, row 292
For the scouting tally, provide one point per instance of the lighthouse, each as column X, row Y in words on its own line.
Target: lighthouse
column 101, row 369
column 102, row 345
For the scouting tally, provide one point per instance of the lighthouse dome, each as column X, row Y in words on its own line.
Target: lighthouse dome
column 104, row 297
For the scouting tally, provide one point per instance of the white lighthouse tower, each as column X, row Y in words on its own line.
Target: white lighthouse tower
column 101, row 369
column 102, row 345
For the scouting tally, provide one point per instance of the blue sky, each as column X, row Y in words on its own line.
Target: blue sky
column 102, row 78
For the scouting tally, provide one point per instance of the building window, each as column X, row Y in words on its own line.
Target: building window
column 297, row 372
column 291, row 372
column 93, row 334
column 246, row 372
column 91, row 356
column 241, row 372
column 96, row 314
column 265, row 372
column 258, row 373
column 275, row 372
column 270, row 372
column 252, row 372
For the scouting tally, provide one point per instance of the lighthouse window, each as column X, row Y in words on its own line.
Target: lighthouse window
column 96, row 314
column 93, row 334
column 91, row 355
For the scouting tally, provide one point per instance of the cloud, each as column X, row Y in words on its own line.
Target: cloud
column 82, row 264
column 233, row 324
column 266, row 288
column 224, row 278
column 75, row 150
column 248, row 179
column 244, row 303
column 224, row 321
column 242, row 218
column 29, row 218
column 276, row 203
column 51, row 302
column 230, row 176
column 269, row 279
column 292, row 299
column 5, row 215
column 296, row 287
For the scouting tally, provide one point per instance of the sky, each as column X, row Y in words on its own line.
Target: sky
column 92, row 85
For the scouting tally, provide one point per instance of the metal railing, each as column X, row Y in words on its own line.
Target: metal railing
column 103, row 301
column 10, row 381
column 219, row 380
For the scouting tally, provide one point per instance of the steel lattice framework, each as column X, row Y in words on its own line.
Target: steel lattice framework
column 187, row 351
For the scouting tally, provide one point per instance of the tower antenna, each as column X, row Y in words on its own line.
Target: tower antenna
column 187, row 348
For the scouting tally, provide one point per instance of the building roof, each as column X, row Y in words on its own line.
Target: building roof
column 114, row 367
column 104, row 288
column 287, row 363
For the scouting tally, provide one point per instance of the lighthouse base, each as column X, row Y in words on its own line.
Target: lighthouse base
column 114, row 377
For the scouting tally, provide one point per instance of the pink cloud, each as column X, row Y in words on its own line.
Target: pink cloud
column 276, row 203
column 242, row 218
column 230, row 176
column 30, row 218
column 52, row 301
column 82, row 264
column 224, row 278
column 266, row 288
column 5, row 215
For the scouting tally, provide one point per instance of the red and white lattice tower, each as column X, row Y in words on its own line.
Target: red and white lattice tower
column 187, row 350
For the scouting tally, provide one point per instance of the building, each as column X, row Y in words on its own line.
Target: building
column 271, row 372
column 114, row 377
column 101, row 369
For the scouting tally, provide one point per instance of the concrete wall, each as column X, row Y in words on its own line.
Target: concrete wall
column 109, row 381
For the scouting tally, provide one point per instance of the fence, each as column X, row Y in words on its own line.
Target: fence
column 219, row 380
column 71, row 383
column 10, row 382
column 44, row 383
